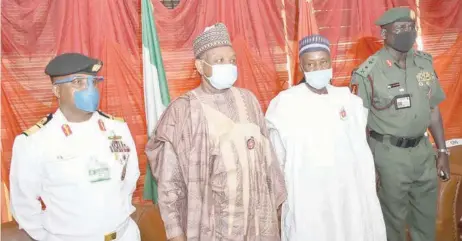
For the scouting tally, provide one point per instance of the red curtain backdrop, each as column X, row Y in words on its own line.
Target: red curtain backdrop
column 349, row 25
column 257, row 32
column 264, row 33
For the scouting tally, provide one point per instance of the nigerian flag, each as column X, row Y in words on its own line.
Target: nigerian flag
column 156, row 97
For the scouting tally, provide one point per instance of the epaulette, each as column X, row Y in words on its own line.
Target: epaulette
column 365, row 68
column 38, row 125
column 424, row 55
column 119, row 119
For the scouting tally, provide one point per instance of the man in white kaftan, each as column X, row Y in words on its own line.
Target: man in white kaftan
column 319, row 134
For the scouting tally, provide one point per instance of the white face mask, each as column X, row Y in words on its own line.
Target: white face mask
column 318, row 79
column 223, row 75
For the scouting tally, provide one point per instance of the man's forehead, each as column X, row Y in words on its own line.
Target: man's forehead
column 72, row 76
column 221, row 51
column 314, row 55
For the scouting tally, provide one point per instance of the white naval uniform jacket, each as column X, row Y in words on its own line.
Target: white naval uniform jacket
column 73, row 169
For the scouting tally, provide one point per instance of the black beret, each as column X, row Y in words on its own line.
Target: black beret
column 72, row 63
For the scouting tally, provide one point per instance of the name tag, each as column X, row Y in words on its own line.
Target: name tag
column 98, row 171
column 394, row 85
column 403, row 101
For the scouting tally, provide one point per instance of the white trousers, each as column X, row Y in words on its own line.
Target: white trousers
column 128, row 231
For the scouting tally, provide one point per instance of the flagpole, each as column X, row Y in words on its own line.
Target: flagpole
column 287, row 48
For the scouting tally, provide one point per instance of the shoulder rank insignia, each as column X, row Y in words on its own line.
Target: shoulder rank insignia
column 119, row 119
column 38, row 125
column 66, row 129
column 101, row 125
column 424, row 55
column 366, row 67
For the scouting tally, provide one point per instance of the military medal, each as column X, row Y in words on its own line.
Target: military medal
column 424, row 77
column 343, row 114
column 251, row 143
column 66, row 129
column 124, row 163
column 114, row 137
column 115, row 145
column 121, row 152
column 124, row 171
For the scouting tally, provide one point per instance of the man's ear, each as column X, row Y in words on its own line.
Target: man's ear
column 383, row 33
column 198, row 64
column 56, row 91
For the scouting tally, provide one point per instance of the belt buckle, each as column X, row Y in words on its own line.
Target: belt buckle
column 110, row 236
column 401, row 142
column 413, row 142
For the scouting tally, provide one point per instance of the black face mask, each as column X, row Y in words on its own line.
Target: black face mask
column 403, row 42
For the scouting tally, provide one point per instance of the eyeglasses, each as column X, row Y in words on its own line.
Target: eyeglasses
column 80, row 81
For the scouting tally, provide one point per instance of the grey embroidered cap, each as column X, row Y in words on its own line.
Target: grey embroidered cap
column 214, row 36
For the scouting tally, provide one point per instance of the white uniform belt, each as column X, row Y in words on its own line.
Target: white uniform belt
column 114, row 235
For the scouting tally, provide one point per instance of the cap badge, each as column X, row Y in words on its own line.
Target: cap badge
column 412, row 14
column 96, row 67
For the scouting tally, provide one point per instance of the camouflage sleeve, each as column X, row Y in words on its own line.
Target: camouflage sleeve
column 358, row 87
column 437, row 93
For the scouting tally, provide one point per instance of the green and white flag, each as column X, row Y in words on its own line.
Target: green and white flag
column 156, row 97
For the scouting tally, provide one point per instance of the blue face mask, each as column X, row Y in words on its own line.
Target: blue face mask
column 88, row 98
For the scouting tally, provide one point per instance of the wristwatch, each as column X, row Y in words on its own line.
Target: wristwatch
column 444, row 150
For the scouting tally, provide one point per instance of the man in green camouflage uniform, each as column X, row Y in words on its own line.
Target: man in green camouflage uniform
column 400, row 88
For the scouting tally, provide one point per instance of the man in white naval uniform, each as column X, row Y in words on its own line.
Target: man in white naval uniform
column 80, row 162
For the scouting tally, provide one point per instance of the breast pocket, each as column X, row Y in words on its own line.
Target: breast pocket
column 394, row 103
column 425, row 90
column 65, row 169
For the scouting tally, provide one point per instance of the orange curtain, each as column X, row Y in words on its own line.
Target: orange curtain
column 257, row 32
column 6, row 215
column 349, row 25
column 442, row 37
column 300, row 22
